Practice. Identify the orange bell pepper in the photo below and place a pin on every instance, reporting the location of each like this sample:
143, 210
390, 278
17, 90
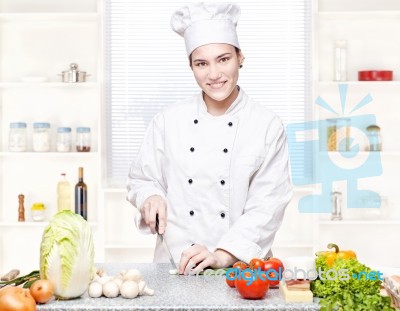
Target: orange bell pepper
332, 256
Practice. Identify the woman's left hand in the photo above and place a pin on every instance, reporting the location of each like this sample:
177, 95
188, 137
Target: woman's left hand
198, 257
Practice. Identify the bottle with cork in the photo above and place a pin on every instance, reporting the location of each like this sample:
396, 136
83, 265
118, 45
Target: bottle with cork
81, 196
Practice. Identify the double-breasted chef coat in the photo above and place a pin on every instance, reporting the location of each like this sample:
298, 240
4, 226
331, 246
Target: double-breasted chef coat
225, 178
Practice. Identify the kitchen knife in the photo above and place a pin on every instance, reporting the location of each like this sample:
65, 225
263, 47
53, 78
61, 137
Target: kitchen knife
161, 236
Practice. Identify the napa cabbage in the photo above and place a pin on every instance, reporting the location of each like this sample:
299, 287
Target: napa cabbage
67, 254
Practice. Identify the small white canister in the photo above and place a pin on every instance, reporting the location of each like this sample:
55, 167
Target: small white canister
17, 141
41, 139
64, 139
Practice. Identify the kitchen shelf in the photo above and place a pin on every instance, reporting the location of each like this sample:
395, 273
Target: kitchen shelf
49, 154
337, 154
367, 15
32, 224
37, 37
44, 17
358, 222
27, 224
360, 83
114, 190
369, 27
5, 85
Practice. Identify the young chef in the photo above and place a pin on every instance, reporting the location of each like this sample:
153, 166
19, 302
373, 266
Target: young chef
213, 167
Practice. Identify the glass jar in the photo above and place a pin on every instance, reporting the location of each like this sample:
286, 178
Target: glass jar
343, 134
41, 141
17, 141
374, 138
83, 139
38, 211
64, 139
340, 60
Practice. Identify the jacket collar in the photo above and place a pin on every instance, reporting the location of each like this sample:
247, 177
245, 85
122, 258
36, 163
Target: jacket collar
237, 105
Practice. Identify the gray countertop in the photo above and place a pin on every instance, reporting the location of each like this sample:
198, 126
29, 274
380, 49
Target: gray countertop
177, 292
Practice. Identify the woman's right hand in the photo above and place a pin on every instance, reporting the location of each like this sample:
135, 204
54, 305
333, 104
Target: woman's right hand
153, 206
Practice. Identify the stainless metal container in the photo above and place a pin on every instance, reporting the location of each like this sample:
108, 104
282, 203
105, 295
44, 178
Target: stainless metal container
73, 75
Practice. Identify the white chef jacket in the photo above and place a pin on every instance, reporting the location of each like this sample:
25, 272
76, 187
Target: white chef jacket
225, 178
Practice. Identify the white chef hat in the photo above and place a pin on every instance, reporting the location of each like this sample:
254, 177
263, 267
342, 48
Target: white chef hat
203, 23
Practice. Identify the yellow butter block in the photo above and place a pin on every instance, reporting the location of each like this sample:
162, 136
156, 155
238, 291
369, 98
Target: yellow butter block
295, 295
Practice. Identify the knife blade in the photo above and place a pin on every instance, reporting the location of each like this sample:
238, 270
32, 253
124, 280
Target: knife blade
161, 236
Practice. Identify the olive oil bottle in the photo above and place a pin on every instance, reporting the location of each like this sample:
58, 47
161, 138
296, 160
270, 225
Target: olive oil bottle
81, 196
63, 194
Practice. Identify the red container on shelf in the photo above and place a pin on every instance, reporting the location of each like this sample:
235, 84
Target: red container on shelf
375, 75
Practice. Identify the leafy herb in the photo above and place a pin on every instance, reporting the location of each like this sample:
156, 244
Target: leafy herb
349, 291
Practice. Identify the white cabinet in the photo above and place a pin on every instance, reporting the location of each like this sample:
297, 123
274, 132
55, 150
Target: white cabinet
37, 42
369, 28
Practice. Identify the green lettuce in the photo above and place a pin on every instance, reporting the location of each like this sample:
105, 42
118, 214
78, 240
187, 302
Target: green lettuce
67, 254
354, 294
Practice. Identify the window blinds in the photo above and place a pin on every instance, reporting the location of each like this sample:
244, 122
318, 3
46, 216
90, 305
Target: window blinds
147, 68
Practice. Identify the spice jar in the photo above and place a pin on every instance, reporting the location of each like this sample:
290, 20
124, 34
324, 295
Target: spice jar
343, 134
38, 211
83, 139
374, 138
64, 139
41, 137
331, 135
17, 141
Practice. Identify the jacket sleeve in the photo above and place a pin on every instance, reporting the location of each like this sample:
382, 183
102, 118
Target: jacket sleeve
145, 176
270, 191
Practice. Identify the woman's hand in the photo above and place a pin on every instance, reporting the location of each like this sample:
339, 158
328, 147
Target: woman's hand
197, 258
153, 206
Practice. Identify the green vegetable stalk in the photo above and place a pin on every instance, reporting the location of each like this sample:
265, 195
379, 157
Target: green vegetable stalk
25, 280
351, 290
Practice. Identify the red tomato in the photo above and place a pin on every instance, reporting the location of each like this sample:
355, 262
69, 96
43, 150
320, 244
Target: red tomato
273, 267
240, 265
250, 285
256, 263
231, 281
278, 261
237, 267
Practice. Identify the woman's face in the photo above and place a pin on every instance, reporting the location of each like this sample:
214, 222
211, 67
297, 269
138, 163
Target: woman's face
216, 69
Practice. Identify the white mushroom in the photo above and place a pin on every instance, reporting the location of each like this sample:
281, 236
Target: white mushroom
100, 272
95, 290
173, 271
132, 275
110, 289
129, 289
104, 279
144, 290
118, 280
